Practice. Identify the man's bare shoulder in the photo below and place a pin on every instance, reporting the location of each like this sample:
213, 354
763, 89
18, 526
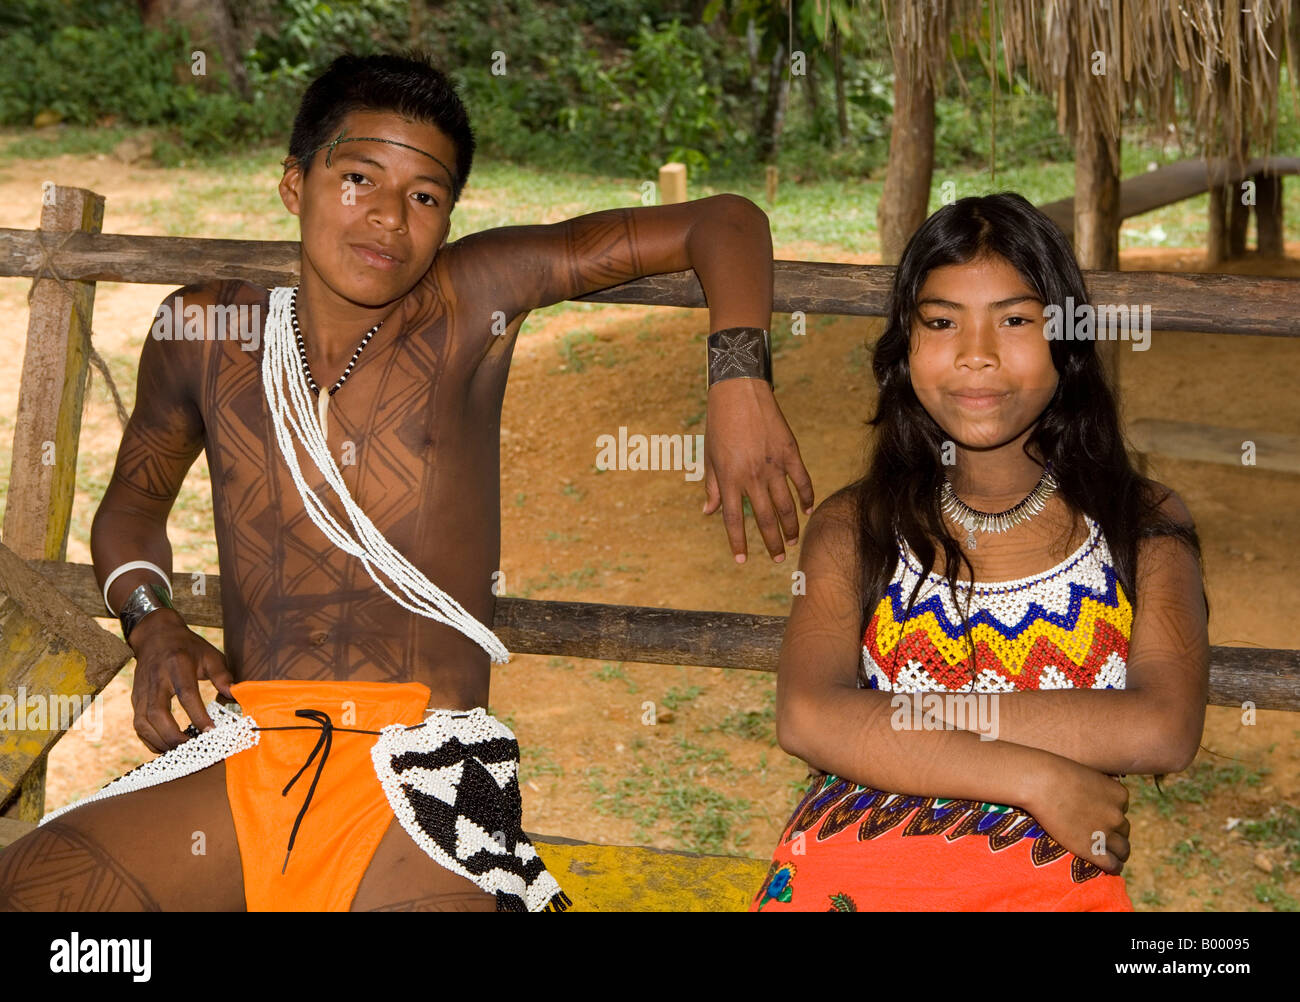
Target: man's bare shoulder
475, 282
461, 268
220, 292
199, 318
203, 311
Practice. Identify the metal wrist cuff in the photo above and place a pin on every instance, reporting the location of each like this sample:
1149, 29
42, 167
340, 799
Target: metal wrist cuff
739, 352
144, 600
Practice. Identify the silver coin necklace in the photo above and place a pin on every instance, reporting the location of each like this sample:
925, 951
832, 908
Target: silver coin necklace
973, 520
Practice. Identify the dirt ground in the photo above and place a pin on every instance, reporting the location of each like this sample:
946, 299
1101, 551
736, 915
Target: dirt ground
709, 775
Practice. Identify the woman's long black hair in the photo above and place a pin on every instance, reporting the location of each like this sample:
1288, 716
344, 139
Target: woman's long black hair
1078, 432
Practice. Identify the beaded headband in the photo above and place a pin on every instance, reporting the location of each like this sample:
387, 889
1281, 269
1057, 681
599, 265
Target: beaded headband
343, 138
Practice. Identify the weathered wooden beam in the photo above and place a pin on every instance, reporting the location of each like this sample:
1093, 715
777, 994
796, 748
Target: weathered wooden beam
47, 428
119, 257
1205, 443
1171, 183
56, 659
1268, 678
1216, 304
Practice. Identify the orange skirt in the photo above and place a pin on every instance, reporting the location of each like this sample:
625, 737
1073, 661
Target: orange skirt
854, 848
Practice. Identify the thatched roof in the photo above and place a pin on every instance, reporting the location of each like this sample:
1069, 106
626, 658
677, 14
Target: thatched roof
1225, 54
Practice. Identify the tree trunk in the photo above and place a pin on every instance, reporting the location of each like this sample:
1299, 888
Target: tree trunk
1268, 187
211, 30
1238, 214
810, 89
906, 196
1096, 199
778, 90
1238, 221
1096, 214
755, 84
841, 107
1216, 241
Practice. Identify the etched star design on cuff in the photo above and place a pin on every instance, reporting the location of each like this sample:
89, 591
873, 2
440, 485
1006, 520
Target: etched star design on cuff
738, 352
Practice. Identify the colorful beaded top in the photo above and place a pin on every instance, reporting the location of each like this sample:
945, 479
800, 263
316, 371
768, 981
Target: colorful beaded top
1065, 628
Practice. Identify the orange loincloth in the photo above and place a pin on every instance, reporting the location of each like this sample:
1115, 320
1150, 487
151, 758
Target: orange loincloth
348, 813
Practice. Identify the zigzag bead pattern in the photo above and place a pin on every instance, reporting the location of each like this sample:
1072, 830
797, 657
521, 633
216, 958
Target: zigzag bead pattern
1065, 628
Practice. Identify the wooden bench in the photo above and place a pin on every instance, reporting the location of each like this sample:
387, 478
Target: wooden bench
1174, 183
68, 255
1188, 178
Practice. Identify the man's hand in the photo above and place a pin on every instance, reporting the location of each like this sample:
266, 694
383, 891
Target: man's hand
170, 658
749, 451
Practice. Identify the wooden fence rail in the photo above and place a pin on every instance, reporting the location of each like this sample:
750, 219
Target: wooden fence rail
1268, 678
1215, 304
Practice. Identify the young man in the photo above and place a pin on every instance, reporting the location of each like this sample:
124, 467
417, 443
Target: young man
352, 453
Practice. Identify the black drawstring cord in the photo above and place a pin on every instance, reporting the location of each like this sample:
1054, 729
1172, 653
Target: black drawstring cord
323, 746
324, 743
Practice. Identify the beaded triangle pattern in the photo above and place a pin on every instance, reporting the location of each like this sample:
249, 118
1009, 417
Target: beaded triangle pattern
1065, 628
453, 785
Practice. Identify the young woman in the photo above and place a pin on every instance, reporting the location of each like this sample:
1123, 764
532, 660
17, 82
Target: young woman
1002, 556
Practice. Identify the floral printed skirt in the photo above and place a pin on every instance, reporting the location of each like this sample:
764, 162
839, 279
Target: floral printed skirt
854, 848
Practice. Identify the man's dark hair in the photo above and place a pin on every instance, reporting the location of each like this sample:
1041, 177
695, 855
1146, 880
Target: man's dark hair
407, 84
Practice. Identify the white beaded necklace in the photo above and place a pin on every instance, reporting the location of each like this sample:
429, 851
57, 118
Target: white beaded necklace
290, 407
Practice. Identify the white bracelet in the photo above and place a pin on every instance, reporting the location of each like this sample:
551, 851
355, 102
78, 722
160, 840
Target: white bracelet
130, 567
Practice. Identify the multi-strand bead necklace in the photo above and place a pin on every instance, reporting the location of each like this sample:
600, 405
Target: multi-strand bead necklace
285, 385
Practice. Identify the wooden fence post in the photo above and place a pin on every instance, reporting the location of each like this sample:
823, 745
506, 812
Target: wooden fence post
1268, 215
43, 467
672, 183
1238, 222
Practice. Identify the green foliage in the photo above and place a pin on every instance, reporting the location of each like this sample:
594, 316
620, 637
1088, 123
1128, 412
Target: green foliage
621, 84
675, 793
676, 697
311, 34
84, 72
616, 87
1197, 785
1026, 130
659, 101
90, 61
1280, 828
